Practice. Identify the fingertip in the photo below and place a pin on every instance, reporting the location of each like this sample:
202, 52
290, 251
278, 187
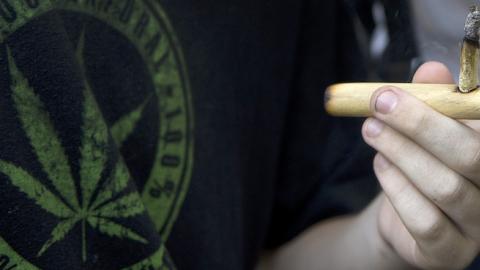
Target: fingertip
364, 130
433, 72
366, 134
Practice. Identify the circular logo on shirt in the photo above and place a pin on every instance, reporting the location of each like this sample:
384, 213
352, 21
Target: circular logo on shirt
97, 149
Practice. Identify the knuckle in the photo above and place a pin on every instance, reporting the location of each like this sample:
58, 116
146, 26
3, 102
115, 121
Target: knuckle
469, 162
404, 147
451, 190
419, 123
430, 227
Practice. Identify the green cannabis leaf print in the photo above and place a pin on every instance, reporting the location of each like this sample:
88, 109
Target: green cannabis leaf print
98, 205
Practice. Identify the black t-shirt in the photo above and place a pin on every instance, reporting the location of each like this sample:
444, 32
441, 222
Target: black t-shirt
168, 134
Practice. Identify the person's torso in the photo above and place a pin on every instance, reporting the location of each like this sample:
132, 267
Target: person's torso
148, 134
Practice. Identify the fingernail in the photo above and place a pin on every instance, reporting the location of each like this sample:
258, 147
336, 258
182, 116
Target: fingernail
374, 128
381, 162
386, 102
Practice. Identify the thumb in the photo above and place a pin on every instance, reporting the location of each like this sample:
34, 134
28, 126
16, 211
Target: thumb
433, 72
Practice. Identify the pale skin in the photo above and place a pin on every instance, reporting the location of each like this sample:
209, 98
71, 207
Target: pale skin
427, 216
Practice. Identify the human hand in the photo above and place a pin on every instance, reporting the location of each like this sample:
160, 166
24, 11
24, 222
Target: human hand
429, 168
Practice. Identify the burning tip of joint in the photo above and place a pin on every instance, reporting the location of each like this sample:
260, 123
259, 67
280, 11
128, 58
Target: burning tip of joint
472, 24
470, 53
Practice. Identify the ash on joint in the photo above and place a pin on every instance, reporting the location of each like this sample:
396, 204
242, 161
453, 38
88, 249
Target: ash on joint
472, 24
